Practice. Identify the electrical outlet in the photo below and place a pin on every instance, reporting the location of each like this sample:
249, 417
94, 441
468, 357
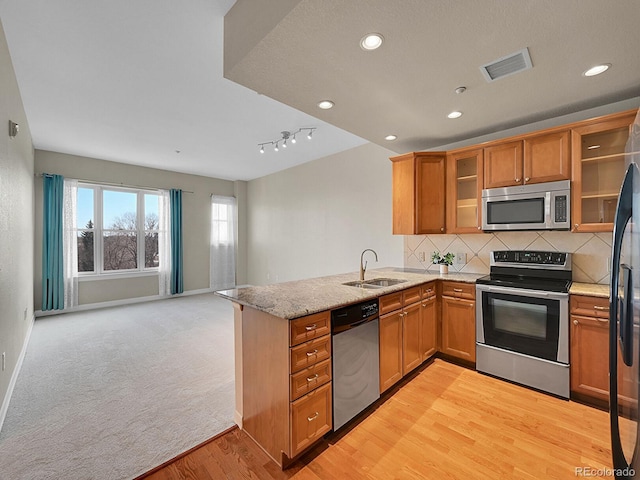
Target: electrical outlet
3, 362
461, 258
421, 256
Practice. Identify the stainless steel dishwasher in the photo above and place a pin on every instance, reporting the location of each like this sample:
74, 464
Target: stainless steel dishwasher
356, 367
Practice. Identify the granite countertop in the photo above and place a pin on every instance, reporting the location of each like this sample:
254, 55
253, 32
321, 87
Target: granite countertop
291, 300
590, 289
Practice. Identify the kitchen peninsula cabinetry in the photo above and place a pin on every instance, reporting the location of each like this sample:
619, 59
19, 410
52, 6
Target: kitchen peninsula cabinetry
408, 323
285, 381
534, 159
598, 168
464, 191
418, 193
459, 320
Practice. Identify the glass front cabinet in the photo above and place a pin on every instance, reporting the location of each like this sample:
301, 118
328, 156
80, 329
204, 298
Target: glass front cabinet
598, 166
464, 192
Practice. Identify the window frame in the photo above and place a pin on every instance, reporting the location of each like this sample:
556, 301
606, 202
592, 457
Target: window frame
99, 231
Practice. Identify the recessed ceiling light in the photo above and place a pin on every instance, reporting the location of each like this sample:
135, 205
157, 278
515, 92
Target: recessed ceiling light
455, 115
325, 104
391, 137
371, 41
597, 70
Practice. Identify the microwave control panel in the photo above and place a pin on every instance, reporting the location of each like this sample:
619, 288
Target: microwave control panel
560, 209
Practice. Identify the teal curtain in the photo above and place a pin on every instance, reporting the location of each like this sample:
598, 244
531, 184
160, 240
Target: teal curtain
52, 249
175, 202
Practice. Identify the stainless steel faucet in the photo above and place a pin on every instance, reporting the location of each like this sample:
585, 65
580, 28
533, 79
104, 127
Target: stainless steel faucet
363, 268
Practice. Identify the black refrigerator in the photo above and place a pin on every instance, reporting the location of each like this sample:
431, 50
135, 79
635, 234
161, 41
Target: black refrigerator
624, 317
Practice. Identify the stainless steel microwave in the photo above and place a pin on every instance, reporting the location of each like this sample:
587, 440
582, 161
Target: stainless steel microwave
539, 206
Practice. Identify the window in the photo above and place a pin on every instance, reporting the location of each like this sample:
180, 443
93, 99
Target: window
117, 229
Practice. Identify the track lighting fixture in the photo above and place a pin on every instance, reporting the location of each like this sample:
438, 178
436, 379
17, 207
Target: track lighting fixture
285, 137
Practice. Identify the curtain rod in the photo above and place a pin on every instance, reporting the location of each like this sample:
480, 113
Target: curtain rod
114, 184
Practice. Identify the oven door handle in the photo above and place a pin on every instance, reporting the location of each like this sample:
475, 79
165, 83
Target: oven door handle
522, 292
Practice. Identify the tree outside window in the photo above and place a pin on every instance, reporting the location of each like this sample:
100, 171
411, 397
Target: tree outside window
126, 233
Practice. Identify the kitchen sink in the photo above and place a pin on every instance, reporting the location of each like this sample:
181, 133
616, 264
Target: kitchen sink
384, 282
375, 283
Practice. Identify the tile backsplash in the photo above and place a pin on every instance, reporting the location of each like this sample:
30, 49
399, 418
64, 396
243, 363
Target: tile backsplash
591, 251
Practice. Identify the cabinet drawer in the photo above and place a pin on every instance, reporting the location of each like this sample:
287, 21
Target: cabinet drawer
589, 306
310, 378
411, 295
391, 302
310, 418
309, 353
310, 327
428, 290
459, 290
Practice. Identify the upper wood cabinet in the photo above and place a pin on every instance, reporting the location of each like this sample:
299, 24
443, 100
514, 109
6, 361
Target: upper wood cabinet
419, 193
536, 159
598, 169
464, 191
503, 165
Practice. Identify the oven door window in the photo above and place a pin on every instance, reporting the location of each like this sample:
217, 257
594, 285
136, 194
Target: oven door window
521, 324
530, 210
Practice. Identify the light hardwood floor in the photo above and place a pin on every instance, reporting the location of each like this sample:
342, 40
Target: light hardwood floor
446, 423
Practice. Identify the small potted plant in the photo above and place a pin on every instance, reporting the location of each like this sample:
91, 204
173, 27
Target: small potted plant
443, 261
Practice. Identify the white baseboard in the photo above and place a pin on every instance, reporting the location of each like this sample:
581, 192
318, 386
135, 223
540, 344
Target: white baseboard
14, 376
117, 303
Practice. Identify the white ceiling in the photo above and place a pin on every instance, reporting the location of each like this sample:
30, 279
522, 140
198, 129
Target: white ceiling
304, 51
134, 81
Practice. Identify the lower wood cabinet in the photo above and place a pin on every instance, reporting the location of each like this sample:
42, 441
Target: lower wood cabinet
429, 327
390, 350
589, 352
408, 331
459, 321
310, 418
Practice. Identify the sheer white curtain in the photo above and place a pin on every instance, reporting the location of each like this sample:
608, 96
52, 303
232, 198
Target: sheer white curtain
164, 244
70, 243
223, 242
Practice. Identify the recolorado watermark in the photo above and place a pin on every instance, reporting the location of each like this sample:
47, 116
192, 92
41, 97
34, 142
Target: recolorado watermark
604, 472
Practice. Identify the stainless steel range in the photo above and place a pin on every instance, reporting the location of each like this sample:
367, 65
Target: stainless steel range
522, 319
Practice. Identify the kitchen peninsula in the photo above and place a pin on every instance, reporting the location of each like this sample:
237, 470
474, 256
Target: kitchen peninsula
283, 347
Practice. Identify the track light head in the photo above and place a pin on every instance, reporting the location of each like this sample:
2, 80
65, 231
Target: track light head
285, 136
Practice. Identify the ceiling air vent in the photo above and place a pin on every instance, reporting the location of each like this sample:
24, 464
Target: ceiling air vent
514, 63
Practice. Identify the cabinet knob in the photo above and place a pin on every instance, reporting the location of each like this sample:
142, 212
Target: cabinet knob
442, 229
575, 322
479, 228
517, 180
575, 225
526, 179
424, 304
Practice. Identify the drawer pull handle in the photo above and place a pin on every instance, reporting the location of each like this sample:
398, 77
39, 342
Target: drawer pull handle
311, 354
598, 307
312, 378
457, 290
313, 417
603, 320
424, 305
313, 326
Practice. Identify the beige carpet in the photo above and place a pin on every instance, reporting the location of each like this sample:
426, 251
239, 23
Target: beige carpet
112, 393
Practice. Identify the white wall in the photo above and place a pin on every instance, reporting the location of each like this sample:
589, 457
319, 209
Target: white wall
316, 219
196, 217
16, 225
